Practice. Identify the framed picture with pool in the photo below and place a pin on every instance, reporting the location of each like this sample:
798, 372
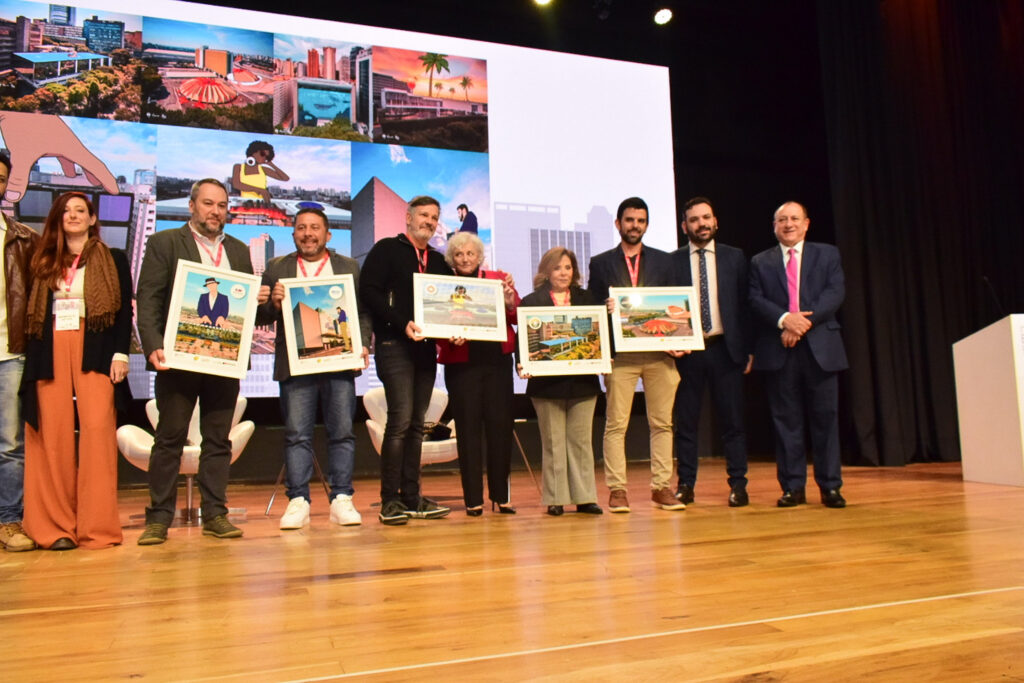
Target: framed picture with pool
446, 306
210, 320
564, 340
321, 324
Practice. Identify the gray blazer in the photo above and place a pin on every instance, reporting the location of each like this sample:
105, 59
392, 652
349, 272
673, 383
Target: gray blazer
156, 277
285, 267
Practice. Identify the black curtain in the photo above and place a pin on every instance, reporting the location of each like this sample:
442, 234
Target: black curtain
923, 106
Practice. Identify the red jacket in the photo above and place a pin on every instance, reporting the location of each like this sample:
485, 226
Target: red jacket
448, 353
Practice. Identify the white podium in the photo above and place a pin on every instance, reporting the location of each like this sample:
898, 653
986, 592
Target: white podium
989, 367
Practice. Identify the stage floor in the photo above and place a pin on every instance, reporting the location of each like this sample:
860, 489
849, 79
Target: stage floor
920, 578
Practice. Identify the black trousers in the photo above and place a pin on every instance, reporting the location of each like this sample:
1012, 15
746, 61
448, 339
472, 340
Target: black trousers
407, 371
480, 397
715, 368
176, 393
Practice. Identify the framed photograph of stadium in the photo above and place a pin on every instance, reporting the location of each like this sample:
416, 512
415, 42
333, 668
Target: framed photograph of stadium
656, 319
321, 324
446, 306
564, 340
210, 320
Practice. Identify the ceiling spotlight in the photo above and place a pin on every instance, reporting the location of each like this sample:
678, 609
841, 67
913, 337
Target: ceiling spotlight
542, 3
663, 16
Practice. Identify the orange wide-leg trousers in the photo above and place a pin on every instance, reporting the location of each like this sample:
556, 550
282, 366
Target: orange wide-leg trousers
68, 496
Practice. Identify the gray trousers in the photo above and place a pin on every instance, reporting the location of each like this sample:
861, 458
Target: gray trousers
568, 454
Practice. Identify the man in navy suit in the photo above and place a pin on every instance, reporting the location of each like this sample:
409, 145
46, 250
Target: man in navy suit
795, 290
632, 263
213, 307
719, 274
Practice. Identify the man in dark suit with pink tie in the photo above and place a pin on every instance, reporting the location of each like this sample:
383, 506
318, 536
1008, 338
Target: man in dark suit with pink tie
796, 288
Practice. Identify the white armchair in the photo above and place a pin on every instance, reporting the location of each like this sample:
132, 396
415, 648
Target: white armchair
376, 405
136, 444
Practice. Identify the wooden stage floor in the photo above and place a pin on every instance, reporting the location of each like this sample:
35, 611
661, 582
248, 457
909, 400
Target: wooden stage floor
921, 578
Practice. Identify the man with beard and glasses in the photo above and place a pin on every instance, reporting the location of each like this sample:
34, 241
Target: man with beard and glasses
202, 240
631, 264
406, 362
719, 274
334, 392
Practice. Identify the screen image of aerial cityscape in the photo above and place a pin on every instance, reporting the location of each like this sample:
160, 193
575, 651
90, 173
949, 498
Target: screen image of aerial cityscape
561, 336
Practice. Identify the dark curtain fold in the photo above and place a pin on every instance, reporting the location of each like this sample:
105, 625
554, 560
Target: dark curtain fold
923, 106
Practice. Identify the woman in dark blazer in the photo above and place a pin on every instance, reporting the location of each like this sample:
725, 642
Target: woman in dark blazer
478, 375
564, 404
79, 330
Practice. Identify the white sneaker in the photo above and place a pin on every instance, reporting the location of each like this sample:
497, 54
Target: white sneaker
343, 512
296, 515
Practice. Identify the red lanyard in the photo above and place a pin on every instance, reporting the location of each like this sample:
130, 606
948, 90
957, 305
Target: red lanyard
421, 262
556, 302
70, 277
302, 266
220, 250
634, 271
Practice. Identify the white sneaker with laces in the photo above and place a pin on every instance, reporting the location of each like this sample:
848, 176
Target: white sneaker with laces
296, 515
343, 512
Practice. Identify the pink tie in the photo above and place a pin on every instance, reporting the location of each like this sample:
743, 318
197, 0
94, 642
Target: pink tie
792, 278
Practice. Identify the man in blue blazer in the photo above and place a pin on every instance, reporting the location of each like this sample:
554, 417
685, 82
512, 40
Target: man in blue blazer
215, 312
795, 290
632, 263
718, 273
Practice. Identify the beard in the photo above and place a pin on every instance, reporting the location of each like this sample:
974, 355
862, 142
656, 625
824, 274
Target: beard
631, 236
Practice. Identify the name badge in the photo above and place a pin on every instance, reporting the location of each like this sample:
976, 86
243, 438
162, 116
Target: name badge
66, 314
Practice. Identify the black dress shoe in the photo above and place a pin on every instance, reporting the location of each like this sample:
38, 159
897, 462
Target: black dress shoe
792, 498
503, 508
832, 499
63, 544
738, 497
684, 493
590, 509
556, 510
475, 511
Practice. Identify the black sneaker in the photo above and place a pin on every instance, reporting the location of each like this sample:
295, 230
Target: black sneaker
393, 512
220, 527
684, 493
429, 509
154, 534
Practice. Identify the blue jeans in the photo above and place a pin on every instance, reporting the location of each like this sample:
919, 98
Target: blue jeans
335, 393
12, 442
407, 371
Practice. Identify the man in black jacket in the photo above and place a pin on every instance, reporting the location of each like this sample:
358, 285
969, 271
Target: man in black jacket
202, 239
406, 362
632, 264
334, 392
719, 274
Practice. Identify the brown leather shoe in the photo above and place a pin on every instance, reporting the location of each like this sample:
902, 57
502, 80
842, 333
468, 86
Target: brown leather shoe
664, 498
617, 501
13, 538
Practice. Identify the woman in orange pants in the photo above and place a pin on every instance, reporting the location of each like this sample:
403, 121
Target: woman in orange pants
79, 329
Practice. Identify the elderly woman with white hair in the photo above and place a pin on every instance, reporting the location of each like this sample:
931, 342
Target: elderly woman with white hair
478, 375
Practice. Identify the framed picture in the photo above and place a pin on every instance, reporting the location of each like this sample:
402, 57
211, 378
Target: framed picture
321, 324
656, 319
447, 306
564, 340
210, 320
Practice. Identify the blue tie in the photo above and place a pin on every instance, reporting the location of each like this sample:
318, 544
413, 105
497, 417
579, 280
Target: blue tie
705, 297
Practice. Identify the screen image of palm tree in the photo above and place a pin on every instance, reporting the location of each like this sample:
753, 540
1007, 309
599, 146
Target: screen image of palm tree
466, 83
434, 62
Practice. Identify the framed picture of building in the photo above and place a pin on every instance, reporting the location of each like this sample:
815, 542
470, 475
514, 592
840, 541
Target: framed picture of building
210, 320
321, 324
564, 340
446, 306
656, 319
